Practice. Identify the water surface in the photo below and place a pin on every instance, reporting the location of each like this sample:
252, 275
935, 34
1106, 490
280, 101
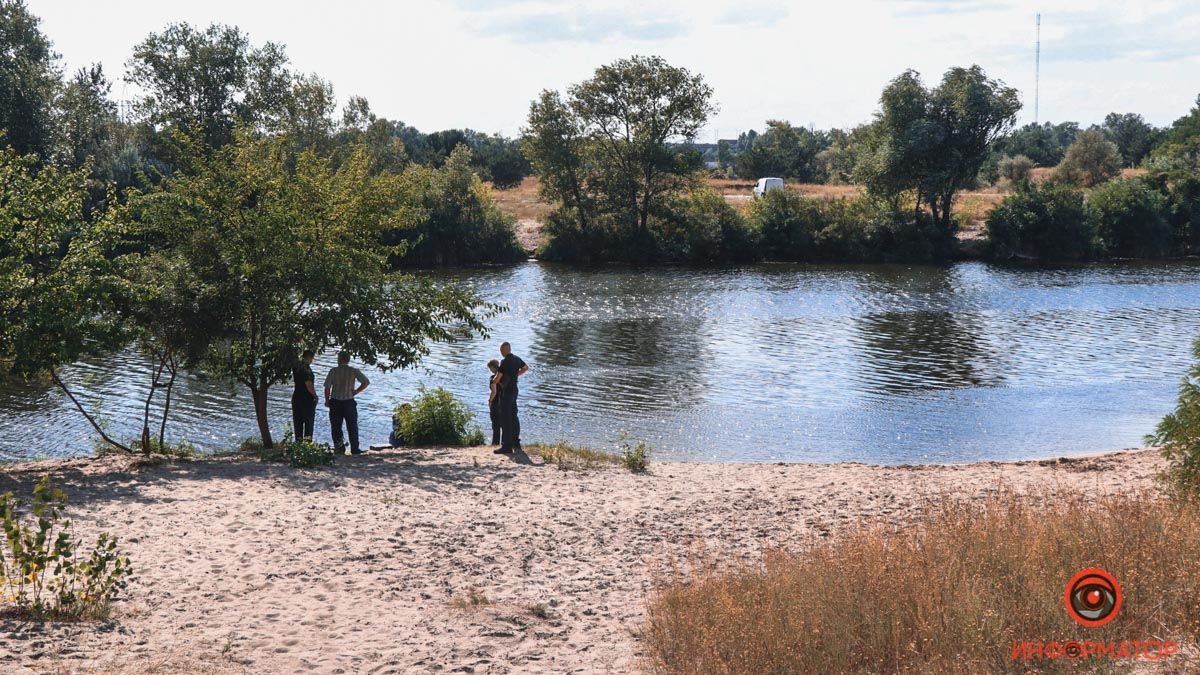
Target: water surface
884, 364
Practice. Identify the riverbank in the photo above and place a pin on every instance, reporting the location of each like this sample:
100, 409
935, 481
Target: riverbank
449, 558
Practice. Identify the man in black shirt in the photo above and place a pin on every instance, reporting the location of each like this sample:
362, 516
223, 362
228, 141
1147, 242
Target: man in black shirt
511, 368
304, 397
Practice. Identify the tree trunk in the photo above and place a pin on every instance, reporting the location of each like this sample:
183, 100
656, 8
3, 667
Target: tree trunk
173, 368
156, 374
62, 385
259, 394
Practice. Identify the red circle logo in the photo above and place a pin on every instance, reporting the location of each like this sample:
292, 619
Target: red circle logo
1093, 597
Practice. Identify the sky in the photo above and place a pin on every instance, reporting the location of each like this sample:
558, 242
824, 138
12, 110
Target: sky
478, 63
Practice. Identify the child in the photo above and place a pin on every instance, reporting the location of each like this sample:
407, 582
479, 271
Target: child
494, 400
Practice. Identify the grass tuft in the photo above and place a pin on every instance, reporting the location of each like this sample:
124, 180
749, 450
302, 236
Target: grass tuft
573, 457
472, 599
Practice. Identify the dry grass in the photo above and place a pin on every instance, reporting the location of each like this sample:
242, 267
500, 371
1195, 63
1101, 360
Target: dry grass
950, 592
472, 599
573, 457
522, 201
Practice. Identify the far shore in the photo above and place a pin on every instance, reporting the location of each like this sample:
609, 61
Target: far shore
457, 559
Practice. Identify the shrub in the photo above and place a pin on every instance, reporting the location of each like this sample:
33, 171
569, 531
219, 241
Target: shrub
1090, 160
1015, 169
435, 417
1130, 217
1178, 434
304, 453
950, 592
702, 227
635, 456
456, 217
1046, 221
41, 575
787, 223
181, 450
1184, 197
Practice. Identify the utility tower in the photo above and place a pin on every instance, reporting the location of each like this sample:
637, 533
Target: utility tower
1037, 68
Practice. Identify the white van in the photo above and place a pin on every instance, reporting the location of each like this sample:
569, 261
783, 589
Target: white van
765, 185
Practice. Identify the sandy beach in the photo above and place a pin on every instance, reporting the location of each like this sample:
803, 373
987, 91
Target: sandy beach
453, 560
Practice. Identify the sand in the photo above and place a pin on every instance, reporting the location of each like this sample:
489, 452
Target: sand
370, 566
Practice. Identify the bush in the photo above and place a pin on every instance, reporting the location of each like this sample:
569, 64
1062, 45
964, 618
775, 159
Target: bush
435, 417
635, 456
1046, 221
702, 227
787, 224
949, 593
456, 217
1090, 160
1130, 217
1015, 169
41, 576
1178, 434
1184, 198
304, 453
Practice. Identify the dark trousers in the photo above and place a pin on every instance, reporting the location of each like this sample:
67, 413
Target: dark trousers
304, 415
497, 421
347, 411
510, 424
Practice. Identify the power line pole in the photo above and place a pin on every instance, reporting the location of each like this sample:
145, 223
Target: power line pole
1037, 68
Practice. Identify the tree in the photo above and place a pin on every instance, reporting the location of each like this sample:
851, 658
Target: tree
59, 281
1178, 434
1046, 221
1044, 143
1180, 145
294, 256
29, 81
785, 151
932, 142
616, 147
1015, 169
209, 82
1091, 160
1133, 136
1131, 218
86, 120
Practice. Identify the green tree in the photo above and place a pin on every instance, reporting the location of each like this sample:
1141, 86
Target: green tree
1133, 136
1046, 221
295, 258
1044, 143
1015, 169
59, 282
1180, 145
455, 218
1091, 160
1131, 218
209, 82
1178, 434
612, 147
931, 143
29, 81
785, 151
87, 119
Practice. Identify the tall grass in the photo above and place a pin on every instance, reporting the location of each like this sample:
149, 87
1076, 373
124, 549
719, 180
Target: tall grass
950, 592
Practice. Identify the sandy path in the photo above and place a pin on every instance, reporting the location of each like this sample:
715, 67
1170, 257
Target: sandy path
250, 567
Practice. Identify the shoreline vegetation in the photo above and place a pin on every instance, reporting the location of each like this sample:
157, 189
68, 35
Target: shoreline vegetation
422, 557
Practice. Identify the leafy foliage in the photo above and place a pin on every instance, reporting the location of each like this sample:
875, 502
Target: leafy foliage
931, 143
1046, 221
1178, 434
28, 82
1091, 160
635, 456
294, 257
784, 151
455, 218
304, 453
41, 574
435, 417
1015, 169
1130, 217
1132, 135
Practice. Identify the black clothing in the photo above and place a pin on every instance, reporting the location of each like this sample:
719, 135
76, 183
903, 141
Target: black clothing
494, 410
347, 410
302, 373
304, 404
509, 366
304, 415
510, 425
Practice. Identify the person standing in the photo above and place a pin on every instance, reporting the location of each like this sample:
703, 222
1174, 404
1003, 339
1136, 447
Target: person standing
494, 399
304, 397
511, 368
339, 397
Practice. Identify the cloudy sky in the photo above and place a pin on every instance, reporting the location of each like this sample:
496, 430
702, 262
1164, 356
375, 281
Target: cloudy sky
478, 63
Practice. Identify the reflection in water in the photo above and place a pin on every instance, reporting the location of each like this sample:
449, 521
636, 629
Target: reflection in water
763, 363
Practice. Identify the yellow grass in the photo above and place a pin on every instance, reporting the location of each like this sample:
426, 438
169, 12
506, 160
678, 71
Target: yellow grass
951, 592
566, 456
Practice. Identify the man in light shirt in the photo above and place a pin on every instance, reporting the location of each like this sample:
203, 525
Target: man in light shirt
340, 391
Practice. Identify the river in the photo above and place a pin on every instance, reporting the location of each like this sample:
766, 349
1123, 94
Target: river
798, 363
